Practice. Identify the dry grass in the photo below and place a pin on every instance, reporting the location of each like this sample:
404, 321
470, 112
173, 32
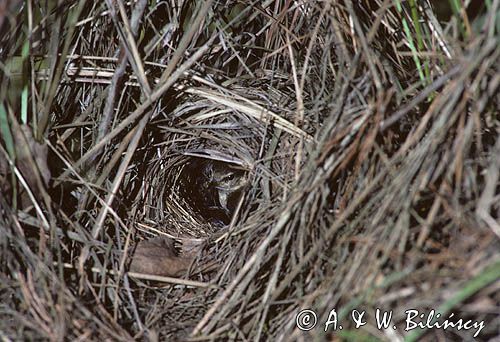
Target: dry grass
369, 132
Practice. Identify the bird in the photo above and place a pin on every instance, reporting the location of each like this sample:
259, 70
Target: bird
213, 188
227, 181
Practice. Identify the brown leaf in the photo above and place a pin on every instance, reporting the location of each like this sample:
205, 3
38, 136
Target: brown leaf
158, 257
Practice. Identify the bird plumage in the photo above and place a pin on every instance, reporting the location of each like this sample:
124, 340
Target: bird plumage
212, 188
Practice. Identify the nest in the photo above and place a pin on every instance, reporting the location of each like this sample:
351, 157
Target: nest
233, 127
367, 135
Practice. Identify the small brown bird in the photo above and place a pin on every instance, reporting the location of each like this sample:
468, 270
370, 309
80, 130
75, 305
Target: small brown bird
227, 181
213, 188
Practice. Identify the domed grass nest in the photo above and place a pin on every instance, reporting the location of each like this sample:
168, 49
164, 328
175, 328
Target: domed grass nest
366, 135
243, 127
